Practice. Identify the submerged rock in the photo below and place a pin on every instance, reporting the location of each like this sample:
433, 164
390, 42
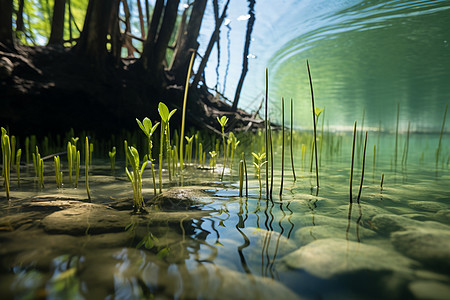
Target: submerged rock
86, 218
327, 258
429, 246
430, 290
429, 206
388, 223
309, 234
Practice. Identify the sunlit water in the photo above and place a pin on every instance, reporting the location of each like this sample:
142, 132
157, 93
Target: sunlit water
363, 54
224, 245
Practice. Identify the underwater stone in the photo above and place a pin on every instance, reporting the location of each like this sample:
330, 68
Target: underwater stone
430, 206
428, 246
388, 223
430, 290
86, 218
306, 235
274, 242
327, 258
443, 216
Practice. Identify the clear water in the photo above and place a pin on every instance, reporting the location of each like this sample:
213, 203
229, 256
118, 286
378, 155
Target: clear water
364, 55
226, 246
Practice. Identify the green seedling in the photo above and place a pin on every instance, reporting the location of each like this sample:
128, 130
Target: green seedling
39, 167
135, 178
27, 149
381, 183
200, 155
18, 156
223, 121
91, 151
189, 145
317, 112
58, 173
396, 137
77, 168
258, 163
233, 142
165, 117
13, 150
242, 172
149, 129
71, 157
6, 157
314, 123
125, 147
86, 170
183, 116
213, 159
112, 158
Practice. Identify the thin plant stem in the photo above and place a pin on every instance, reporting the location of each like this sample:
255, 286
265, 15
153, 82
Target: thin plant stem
362, 172
438, 151
291, 142
87, 167
267, 133
183, 116
282, 146
396, 137
381, 182
271, 161
353, 159
314, 122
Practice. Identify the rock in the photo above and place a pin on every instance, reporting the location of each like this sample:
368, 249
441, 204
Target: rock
274, 242
179, 198
429, 246
388, 223
306, 235
443, 216
430, 290
327, 258
429, 206
86, 218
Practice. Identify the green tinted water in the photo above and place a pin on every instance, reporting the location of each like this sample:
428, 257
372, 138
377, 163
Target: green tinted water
308, 243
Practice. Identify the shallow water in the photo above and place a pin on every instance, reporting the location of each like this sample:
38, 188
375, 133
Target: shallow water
309, 243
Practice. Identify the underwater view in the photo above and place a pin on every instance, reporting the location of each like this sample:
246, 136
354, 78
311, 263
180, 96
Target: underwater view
130, 170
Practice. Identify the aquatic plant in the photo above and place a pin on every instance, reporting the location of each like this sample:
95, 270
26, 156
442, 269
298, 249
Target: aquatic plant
91, 151
381, 183
314, 123
242, 173
6, 157
71, 157
189, 145
353, 159
112, 158
282, 146
58, 173
39, 167
258, 163
213, 159
86, 170
438, 150
27, 149
18, 156
362, 172
292, 141
396, 137
266, 128
165, 117
135, 178
77, 168
233, 143
406, 148
223, 121
183, 115
149, 129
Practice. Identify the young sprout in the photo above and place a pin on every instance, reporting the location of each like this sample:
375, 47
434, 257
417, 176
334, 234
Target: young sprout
86, 170
135, 178
189, 148
58, 173
165, 117
212, 161
149, 129
6, 156
223, 121
258, 164
112, 158
233, 142
18, 156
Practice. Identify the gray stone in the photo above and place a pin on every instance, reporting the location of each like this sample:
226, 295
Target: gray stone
327, 258
429, 206
429, 246
306, 235
388, 223
430, 290
86, 218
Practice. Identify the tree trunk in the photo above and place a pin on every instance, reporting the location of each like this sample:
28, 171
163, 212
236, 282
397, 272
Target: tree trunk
211, 43
6, 33
93, 39
57, 31
248, 36
19, 23
188, 42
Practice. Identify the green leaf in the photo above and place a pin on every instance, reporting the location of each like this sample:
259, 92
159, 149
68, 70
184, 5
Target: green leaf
163, 253
318, 111
163, 112
130, 176
154, 128
171, 114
